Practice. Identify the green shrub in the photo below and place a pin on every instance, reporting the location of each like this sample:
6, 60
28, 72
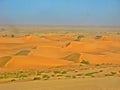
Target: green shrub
113, 73
85, 62
36, 78
46, 76
110, 74
98, 37
90, 74
79, 37
97, 64
56, 71
21, 75
63, 72
79, 74
39, 72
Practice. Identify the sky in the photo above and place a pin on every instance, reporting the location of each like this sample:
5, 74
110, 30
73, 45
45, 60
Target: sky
60, 12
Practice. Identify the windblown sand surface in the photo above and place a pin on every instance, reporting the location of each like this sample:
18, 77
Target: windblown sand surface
51, 50
81, 59
70, 84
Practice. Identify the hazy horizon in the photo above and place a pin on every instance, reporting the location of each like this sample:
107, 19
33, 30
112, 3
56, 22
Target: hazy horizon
60, 13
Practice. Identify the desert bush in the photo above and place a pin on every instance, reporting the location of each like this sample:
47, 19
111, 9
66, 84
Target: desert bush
21, 75
101, 70
36, 78
85, 62
113, 73
39, 72
110, 74
56, 71
98, 37
12, 35
79, 74
97, 65
90, 74
59, 75
79, 37
45, 76
118, 33
3, 76
52, 75
64, 72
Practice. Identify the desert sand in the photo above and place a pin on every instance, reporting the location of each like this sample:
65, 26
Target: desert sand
80, 52
70, 84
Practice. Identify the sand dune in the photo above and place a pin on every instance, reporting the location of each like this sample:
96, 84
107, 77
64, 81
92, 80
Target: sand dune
51, 49
34, 62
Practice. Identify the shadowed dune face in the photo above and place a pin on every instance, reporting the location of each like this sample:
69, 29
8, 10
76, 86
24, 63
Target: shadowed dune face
59, 50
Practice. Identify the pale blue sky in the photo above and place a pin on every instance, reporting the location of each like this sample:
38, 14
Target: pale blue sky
60, 12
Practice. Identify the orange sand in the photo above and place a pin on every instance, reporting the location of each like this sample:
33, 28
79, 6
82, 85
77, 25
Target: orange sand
49, 50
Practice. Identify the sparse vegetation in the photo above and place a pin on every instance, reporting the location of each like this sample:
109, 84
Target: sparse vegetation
97, 64
110, 74
36, 78
79, 37
79, 74
63, 72
85, 62
90, 74
39, 72
56, 71
98, 37
12, 35
101, 70
45, 77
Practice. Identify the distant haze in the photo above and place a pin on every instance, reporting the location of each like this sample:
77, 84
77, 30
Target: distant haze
60, 12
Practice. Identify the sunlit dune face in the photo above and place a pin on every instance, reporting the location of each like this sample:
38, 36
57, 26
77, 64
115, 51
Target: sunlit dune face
34, 62
59, 50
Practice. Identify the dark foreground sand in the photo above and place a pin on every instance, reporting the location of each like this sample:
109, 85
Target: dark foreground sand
109, 83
